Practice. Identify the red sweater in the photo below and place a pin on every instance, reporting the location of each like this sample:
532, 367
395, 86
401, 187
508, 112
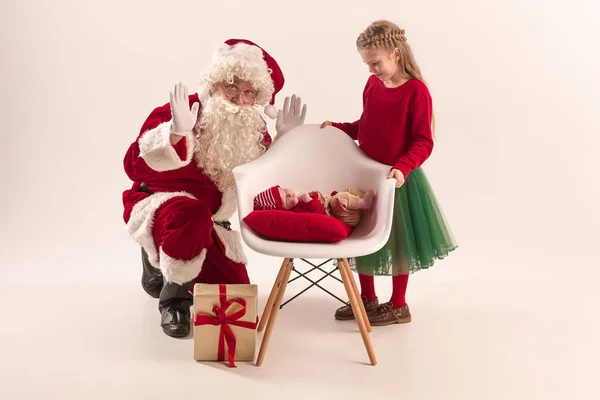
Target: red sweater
395, 125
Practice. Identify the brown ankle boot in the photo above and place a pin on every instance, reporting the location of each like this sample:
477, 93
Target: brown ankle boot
345, 313
385, 314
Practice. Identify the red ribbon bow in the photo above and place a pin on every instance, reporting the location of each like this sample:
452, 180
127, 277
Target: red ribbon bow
221, 318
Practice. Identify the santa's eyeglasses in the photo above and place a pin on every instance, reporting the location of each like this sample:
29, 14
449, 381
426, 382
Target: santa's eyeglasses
233, 92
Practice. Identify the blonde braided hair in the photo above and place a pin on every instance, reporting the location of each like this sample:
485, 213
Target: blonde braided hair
384, 34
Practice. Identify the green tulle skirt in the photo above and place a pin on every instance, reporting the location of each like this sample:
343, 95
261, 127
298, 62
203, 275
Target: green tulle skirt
420, 234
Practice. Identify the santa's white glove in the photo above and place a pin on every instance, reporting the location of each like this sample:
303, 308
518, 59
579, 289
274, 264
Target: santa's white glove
291, 116
183, 119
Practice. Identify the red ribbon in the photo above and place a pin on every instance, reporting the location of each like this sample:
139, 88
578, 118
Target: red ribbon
221, 318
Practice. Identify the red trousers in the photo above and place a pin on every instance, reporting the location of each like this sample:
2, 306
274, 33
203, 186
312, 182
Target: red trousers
186, 245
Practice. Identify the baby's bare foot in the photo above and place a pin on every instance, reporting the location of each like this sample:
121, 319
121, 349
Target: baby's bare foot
366, 203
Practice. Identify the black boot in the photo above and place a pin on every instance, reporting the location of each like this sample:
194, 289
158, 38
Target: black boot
174, 304
152, 279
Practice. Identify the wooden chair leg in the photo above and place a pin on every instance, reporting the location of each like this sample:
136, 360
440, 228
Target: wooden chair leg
272, 296
287, 270
357, 294
354, 300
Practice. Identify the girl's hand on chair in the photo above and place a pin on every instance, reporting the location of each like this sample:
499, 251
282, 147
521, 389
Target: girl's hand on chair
398, 175
326, 123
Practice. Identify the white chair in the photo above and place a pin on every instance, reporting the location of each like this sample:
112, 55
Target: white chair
310, 158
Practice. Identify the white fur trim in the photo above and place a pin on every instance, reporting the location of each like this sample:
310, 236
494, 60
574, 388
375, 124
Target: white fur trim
240, 51
140, 223
157, 151
243, 61
232, 241
228, 205
181, 271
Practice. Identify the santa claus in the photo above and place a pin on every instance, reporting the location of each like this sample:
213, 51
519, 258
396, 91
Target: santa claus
183, 191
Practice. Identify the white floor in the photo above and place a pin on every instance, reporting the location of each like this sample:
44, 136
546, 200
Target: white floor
72, 329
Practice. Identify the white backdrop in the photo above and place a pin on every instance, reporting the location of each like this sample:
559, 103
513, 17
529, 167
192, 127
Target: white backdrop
515, 87
516, 93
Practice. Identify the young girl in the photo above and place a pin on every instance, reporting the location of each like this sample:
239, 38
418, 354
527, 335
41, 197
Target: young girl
395, 128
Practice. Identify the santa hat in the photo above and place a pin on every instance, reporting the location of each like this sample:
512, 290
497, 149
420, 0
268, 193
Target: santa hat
270, 199
247, 61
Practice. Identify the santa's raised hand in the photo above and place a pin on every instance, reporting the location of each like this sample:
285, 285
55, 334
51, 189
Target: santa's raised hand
183, 119
291, 116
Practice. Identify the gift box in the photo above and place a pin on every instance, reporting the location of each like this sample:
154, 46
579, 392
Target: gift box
225, 321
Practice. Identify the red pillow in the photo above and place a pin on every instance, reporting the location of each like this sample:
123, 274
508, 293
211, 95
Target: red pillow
297, 227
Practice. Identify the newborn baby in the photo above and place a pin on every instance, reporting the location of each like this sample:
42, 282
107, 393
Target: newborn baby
345, 206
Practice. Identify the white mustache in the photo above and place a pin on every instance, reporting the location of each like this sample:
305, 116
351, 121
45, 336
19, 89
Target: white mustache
236, 108
230, 107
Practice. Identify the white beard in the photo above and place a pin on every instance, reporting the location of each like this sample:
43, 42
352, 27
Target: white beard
229, 135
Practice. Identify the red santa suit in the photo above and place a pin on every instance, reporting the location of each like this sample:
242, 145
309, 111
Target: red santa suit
173, 209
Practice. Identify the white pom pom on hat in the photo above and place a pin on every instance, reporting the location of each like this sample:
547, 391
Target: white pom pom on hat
271, 111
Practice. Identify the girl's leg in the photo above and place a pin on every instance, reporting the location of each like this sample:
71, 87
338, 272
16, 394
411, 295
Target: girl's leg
367, 287
399, 284
395, 311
